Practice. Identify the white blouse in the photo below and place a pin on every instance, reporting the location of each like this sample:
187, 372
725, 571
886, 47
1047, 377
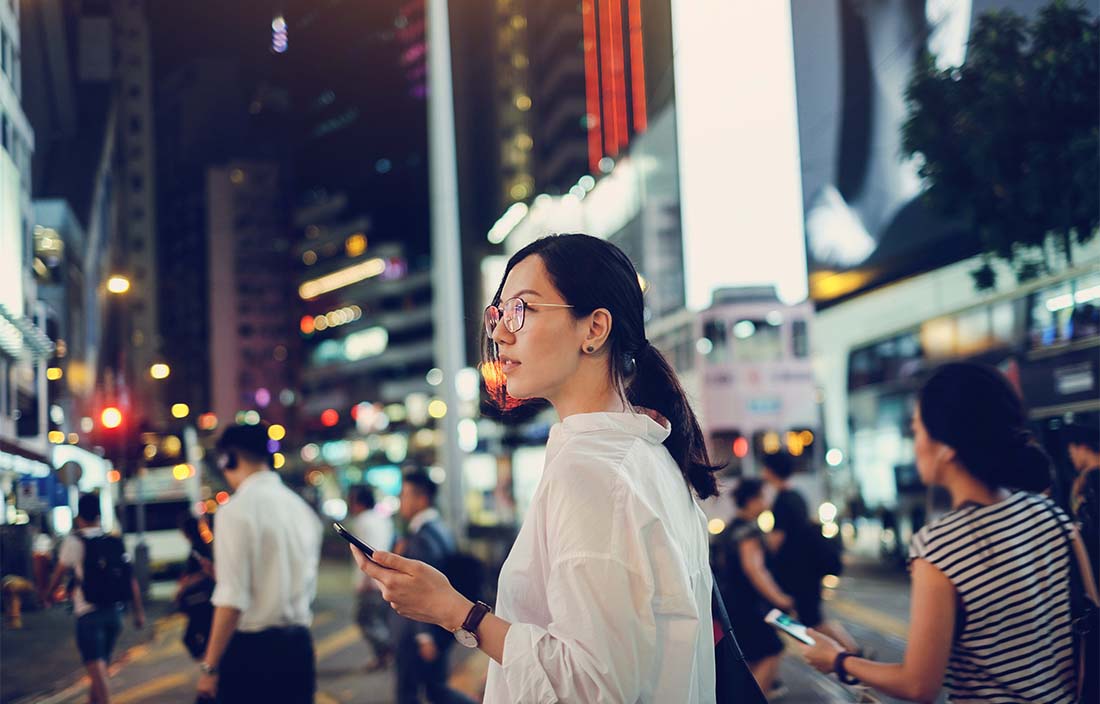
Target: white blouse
607, 586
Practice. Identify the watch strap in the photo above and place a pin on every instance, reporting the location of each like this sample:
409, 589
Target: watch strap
841, 672
474, 617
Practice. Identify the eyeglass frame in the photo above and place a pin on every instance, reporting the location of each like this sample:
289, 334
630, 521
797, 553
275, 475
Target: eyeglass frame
521, 313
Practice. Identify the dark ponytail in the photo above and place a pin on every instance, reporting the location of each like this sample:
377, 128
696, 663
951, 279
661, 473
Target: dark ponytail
592, 273
975, 410
655, 385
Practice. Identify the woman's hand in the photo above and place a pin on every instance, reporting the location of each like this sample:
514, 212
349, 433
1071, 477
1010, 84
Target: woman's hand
414, 589
822, 654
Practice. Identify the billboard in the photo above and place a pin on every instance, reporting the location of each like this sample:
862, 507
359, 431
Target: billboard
864, 221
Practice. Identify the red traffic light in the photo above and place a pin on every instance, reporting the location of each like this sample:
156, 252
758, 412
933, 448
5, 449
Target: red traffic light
111, 417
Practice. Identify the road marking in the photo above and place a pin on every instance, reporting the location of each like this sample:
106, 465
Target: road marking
152, 687
871, 618
337, 642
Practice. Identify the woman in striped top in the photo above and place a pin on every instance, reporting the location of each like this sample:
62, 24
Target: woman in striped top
990, 607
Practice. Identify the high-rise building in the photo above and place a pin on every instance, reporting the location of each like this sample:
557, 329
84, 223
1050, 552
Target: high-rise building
136, 253
367, 332
24, 346
202, 118
251, 321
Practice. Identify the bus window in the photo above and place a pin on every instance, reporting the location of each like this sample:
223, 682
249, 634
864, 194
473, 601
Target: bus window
1051, 313
715, 331
757, 341
800, 340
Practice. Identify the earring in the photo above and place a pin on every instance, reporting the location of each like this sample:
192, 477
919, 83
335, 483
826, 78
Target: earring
590, 349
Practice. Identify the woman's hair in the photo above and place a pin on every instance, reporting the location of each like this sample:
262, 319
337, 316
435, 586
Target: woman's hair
592, 273
746, 490
975, 410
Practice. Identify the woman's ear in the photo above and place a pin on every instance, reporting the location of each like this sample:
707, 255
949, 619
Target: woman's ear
599, 329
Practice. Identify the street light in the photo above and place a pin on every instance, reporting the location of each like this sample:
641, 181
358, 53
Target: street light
118, 284
160, 370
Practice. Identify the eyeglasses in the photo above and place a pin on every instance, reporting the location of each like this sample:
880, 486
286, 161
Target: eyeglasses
513, 313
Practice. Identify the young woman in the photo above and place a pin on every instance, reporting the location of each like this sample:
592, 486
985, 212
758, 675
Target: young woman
990, 607
748, 587
605, 595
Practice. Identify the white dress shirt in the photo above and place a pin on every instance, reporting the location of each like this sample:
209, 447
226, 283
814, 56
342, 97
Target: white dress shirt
607, 586
267, 545
375, 530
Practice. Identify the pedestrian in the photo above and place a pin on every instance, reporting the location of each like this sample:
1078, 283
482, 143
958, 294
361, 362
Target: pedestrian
748, 587
195, 587
799, 551
267, 546
606, 594
101, 583
1083, 442
990, 608
422, 648
371, 611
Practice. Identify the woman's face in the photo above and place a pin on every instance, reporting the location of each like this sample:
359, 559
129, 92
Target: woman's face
930, 453
541, 356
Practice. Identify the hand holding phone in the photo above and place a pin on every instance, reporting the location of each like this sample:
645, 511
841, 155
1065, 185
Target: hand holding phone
787, 624
347, 535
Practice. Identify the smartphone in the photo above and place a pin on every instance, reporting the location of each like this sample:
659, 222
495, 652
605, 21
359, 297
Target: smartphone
788, 625
346, 535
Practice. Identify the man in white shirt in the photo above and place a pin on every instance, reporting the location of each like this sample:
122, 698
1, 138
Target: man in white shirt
267, 545
98, 622
371, 610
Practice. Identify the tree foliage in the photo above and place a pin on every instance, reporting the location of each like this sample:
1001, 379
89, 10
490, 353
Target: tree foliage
1009, 143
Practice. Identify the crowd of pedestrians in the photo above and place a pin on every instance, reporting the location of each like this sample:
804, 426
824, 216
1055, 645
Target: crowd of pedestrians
606, 593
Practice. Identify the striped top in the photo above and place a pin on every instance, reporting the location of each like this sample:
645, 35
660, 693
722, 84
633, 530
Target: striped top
1009, 564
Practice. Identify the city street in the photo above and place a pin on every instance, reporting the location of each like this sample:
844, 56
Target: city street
153, 667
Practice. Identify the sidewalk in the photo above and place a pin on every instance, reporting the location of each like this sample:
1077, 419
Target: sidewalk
42, 655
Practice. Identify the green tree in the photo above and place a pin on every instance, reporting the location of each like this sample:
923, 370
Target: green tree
1009, 143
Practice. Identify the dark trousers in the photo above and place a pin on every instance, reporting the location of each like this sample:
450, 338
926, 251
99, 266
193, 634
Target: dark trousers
371, 613
276, 665
413, 673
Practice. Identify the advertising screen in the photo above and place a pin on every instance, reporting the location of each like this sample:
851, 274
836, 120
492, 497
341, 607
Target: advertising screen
865, 223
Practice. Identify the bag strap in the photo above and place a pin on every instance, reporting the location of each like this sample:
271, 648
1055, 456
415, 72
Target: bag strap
724, 620
1080, 596
1079, 589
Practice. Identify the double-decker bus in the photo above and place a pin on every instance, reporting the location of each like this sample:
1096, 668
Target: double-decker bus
745, 363
1044, 336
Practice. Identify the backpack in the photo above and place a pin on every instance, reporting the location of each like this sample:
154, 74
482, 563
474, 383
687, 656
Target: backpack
465, 572
107, 571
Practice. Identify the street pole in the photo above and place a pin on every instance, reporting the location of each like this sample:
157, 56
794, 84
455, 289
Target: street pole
450, 343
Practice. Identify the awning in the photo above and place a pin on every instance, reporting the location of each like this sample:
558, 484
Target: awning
22, 339
18, 459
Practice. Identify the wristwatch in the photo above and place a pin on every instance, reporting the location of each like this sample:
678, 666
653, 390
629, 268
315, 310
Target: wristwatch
208, 669
838, 668
467, 633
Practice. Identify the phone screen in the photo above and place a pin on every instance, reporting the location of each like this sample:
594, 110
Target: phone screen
346, 535
789, 625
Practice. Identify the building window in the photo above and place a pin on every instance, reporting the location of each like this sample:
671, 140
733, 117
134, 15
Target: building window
137, 183
135, 125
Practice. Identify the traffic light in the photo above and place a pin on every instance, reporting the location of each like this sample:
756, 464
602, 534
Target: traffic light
111, 417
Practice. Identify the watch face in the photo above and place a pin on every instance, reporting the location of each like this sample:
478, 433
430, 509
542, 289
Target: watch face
466, 638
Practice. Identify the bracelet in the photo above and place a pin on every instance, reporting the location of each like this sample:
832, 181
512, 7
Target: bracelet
838, 668
207, 669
